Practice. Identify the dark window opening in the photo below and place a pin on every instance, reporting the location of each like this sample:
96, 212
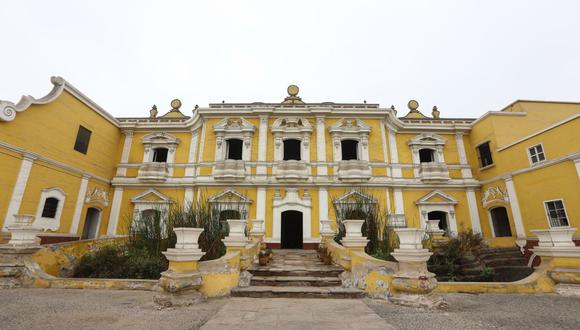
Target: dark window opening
349, 149
160, 155
500, 222
292, 149
291, 235
91, 227
50, 207
441, 216
234, 149
83, 138
426, 156
484, 153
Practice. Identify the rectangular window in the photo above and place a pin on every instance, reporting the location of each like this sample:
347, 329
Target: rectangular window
536, 154
484, 154
82, 142
556, 213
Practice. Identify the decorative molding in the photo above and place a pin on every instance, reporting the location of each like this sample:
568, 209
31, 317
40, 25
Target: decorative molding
447, 199
97, 195
230, 198
292, 202
494, 195
447, 206
50, 223
140, 199
354, 196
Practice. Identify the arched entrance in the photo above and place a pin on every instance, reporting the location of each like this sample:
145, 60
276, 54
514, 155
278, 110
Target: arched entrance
291, 227
91, 227
500, 222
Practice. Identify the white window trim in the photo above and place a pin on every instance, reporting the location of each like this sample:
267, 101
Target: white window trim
350, 129
233, 128
530, 155
548, 214
431, 141
479, 156
286, 128
50, 223
160, 140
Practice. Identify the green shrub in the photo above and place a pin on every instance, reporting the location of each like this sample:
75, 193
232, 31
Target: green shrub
487, 274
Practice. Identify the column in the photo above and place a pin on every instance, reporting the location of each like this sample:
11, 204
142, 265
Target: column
115, 211
394, 153
19, 188
515, 206
385, 149
473, 213
201, 147
321, 147
122, 171
465, 172
262, 145
79, 205
261, 206
398, 197
188, 196
322, 207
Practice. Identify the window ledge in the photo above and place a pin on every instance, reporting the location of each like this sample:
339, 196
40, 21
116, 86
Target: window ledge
486, 167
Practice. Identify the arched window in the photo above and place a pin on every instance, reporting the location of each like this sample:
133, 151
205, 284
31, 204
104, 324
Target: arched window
500, 222
349, 149
426, 155
50, 207
234, 149
160, 155
292, 149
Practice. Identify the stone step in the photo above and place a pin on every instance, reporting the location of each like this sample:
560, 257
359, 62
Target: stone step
297, 271
297, 292
499, 253
295, 281
517, 261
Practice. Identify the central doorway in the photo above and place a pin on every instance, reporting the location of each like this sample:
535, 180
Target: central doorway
291, 236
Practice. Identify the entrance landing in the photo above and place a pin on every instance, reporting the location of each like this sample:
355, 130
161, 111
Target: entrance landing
296, 274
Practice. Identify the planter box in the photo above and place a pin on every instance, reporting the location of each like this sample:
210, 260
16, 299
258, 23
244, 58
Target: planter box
555, 237
410, 238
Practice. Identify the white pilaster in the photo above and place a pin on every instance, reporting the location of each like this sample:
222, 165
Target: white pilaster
577, 163
394, 153
79, 205
515, 206
201, 146
321, 146
262, 145
465, 172
122, 171
322, 205
191, 158
398, 197
188, 198
388, 200
115, 211
19, 188
385, 149
261, 205
473, 214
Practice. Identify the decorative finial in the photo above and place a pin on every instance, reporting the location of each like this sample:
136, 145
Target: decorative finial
392, 107
365, 101
153, 111
435, 112
196, 106
413, 105
175, 105
293, 97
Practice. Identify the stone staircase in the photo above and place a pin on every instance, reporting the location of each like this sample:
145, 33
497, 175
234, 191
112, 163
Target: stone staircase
296, 274
508, 263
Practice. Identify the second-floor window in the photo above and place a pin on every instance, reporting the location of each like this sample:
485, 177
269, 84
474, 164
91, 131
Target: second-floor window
426, 156
349, 149
234, 149
484, 154
292, 149
82, 141
536, 154
160, 155
556, 213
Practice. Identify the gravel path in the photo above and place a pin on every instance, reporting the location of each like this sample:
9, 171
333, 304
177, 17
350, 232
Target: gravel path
96, 309
487, 311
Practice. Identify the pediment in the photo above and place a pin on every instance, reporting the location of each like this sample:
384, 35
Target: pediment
234, 125
354, 196
436, 197
160, 138
427, 139
350, 125
229, 196
151, 196
291, 124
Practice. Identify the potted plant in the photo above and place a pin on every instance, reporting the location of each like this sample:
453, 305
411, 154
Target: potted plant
263, 257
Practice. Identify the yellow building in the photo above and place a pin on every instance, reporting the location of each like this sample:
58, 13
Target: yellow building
81, 172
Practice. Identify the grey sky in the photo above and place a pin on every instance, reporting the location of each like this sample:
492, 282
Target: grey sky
466, 57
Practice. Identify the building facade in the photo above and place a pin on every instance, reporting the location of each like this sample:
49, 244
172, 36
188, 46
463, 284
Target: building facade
82, 172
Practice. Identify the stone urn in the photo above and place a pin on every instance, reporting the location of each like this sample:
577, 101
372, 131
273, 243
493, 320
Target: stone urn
23, 220
187, 238
22, 232
353, 237
410, 238
237, 235
556, 237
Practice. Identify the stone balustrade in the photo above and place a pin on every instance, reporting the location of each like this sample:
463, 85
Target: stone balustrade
229, 170
433, 172
291, 170
153, 172
354, 170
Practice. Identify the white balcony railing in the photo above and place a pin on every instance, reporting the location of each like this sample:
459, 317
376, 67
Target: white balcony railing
433, 172
229, 169
153, 172
354, 170
291, 170
396, 220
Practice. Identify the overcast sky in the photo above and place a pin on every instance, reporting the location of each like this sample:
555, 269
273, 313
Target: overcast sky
466, 57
